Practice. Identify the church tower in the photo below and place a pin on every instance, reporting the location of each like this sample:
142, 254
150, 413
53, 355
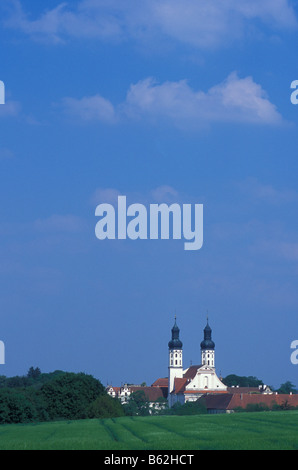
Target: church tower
208, 347
175, 358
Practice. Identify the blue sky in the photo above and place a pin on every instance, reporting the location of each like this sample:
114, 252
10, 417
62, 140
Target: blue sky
162, 101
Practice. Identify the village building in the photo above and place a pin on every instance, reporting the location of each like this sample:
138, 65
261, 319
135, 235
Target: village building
199, 382
190, 384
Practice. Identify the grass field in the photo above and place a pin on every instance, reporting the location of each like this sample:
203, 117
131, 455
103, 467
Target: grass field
254, 431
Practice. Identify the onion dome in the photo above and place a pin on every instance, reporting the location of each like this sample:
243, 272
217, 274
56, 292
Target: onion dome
207, 343
175, 342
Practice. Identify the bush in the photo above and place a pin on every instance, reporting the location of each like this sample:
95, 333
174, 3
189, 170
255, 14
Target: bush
252, 407
192, 408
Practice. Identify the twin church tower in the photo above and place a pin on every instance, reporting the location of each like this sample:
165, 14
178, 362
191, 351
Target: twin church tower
190, 384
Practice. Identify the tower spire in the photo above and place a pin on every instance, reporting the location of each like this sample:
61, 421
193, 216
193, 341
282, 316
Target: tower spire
207, 347
175, 359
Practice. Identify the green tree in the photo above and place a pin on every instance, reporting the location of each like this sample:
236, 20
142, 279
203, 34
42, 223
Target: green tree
105, 407
69, 395
236, 380
287, 388
137, 405
15, 407
33, 373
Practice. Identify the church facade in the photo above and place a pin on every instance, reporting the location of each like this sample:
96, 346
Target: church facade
186, 385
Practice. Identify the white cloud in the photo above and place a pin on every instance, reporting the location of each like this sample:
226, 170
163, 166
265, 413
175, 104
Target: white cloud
105, 195
94, 108
201, 23
165, 194
161, 194
233, 100
216, 22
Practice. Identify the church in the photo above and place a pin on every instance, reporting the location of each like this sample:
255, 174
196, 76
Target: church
200, 382
181, 385
190, 384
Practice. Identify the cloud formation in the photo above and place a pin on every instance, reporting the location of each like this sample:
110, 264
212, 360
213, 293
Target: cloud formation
234, 100
200, 23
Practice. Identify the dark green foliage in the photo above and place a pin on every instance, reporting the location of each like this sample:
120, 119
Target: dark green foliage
252, 407
137, 405
69, 395
58, 395
15, 407
105, 407
197, 407
33, 373
287, 388
234, 380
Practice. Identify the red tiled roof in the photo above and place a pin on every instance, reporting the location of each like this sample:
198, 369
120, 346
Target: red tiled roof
160, 382
218, 401
191, 372
151, 393
245, 399
179, 385
229, 401
116, 389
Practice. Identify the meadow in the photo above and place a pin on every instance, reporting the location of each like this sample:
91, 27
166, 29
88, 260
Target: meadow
241, 431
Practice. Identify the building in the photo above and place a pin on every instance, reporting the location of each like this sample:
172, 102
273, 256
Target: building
200, 382
190, 384
155, 395
229, 402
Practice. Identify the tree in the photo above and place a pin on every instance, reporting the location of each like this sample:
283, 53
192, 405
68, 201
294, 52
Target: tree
33, 373
105, 407
15, 407
287, 388
137, 404
236, 380
69, 395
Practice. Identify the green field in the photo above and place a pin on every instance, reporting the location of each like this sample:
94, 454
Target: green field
266, 430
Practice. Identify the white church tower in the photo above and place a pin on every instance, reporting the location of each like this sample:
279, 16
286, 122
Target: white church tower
208, 348
175, 358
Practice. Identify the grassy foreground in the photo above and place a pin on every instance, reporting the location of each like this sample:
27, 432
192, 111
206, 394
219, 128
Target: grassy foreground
254, 431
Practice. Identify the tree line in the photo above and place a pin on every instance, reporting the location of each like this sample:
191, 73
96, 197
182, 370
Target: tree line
60, 395
54, 396
233, 380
